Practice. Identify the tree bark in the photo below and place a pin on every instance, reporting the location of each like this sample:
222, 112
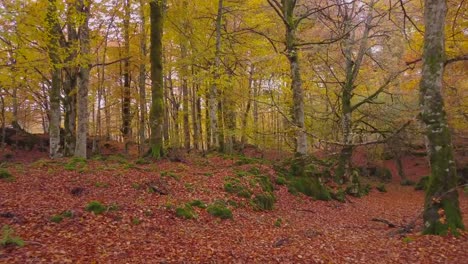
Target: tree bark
126, 117
157, 89
53, 45
441, 208
213, 101
142, 78
83, 80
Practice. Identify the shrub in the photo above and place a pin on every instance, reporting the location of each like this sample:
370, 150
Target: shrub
95, 207
339, 195
219, 209
381, 188
422, 183
56, 218
186, 212
383, 174
8, 238
264, 201
407, 182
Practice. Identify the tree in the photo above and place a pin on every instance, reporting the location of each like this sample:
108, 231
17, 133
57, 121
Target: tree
157, 88
441, 207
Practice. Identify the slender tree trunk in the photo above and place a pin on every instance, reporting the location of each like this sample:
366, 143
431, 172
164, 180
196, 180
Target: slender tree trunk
54, 31
247, 108
213, 101
142, 78
441, 209
157, 89
195, 116
185, 73
126, 116
83, 81
2, 142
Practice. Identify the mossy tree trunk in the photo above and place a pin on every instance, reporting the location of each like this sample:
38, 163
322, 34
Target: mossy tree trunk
126, 115
83, 8
157, 88
286, 10
54, 32
441, 209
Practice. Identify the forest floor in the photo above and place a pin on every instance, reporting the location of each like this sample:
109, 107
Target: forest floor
142, 227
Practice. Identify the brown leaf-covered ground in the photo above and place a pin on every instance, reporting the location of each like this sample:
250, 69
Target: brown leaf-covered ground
310, 231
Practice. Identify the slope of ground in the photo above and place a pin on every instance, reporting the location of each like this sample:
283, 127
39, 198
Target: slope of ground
142, 226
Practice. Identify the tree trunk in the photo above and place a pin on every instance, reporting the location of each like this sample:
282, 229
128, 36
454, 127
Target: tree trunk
83, 80
213, 101
247, 108
2, 142
441, 209
157, 89
142, 78
126, 117
54, 31
296, 81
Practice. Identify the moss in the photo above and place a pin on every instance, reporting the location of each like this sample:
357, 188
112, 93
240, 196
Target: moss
142, 161
381, 188
76, 164
95, 207
233, 185
136, 221
6, 175
265, 183
219, 209
278, 222
281, 180
186, 212
9, 239
254, 171
198, 203
422, 183
263, 201
56, 218
246, 160
310, 187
